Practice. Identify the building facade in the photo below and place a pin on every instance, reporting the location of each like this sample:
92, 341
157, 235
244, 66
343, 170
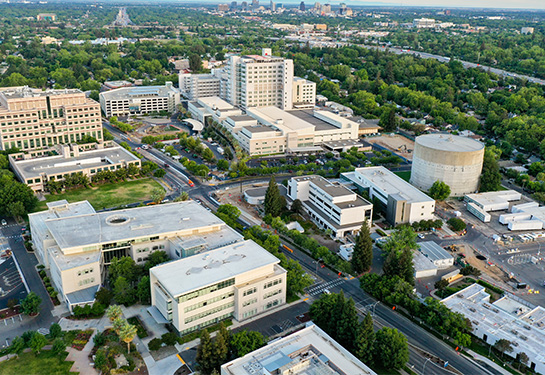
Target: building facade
259, 81
304, 93
403, 202
36, 169
195, 86
241, 280
32, 119
139, 100
331, 206
76, 243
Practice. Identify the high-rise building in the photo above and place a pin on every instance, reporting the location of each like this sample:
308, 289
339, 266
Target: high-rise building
244, 6
194, 86
234, 5
304, 93
272, 6
259, 81
32, 119
302, 6
223, 7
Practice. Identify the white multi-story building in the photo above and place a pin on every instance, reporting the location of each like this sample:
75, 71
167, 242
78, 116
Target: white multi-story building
403, 202
424, 23
304, 352
195, 86
89, 159
240, 281
76, 243
139, 100
32, 119
259, 81
509, 318
332, 206
304, 93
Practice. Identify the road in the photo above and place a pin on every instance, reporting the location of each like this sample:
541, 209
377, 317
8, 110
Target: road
417, 336
466, 64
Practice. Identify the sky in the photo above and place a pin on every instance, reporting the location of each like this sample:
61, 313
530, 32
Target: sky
532, 4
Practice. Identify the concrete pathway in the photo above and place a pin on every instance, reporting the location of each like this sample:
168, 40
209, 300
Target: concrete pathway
82, 363
489, 362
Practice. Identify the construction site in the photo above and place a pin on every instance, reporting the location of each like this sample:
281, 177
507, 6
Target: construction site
396, 143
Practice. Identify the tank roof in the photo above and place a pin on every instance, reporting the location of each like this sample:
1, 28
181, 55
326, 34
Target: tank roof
448, 142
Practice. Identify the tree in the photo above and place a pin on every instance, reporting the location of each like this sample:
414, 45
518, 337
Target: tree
15, 209
113, 312
55, 331
118, 324
195, 63
37, 342
123, 293
503, 346
456, 224
222, 165
388, 119
297, 206
439, 191
245, 342
31, 304
490, 175
399, 254
159, 173
362, 257
156, 258
58, 346
155, 344
125, 267
205, 353
365, 340
143, 290
221, 350
274, 202
127, 334
17, 345
101, 361
182, 197
441, 284
523, 359
104, 296
157, 194
391, 348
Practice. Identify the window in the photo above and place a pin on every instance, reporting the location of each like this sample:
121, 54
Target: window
272, 283
249, 291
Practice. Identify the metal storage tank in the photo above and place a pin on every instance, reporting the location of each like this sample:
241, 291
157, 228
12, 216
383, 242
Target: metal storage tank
455, 160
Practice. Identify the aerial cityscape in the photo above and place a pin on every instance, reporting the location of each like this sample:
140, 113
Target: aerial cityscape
258, 188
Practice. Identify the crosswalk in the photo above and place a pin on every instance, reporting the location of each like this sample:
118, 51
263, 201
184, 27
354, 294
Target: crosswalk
319, 287
14, 236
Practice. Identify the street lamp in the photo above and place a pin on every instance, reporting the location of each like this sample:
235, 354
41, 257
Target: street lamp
424, 366
374, 305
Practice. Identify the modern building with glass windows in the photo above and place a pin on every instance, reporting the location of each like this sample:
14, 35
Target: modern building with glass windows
76, 243
240, 280
32, 119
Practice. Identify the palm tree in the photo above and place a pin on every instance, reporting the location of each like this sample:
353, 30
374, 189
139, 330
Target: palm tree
113, 312
182, 197
127, 334
119, 324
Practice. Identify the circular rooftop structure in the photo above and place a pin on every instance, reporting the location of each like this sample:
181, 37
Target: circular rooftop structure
455, 160
117, 219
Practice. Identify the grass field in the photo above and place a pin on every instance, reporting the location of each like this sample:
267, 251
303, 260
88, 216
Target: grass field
107, 195
31, 364
406, 175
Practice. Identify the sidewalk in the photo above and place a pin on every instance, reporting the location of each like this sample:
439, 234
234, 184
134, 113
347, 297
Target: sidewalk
82, 362
488, 362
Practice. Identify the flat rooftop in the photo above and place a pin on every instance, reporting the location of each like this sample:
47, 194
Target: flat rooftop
256, 129
242, 118
449, 142
309, 351
28, 92
283, 120
508, 318
433, 251
308, 116
195, 272
388, 182
494, 197
123, 225
137, 91
215, 102
422, 263
56, 165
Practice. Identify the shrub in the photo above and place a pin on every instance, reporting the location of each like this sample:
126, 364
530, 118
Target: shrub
456, 224
155, 344
170, 338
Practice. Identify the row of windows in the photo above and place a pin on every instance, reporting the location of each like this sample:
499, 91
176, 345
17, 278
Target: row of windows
208, 302
249, 291
273, 293
272, 283
86, 281
209, 312
249, 302
248, 314
206, 324
271, 304
206, 290
85, 271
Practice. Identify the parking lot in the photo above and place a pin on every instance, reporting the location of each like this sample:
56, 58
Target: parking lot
11, 282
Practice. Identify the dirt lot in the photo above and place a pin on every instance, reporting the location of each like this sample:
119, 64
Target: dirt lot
393, 143
493, 272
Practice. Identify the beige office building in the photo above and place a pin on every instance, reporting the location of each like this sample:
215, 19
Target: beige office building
304, 93
37, 168
31, 119
76, 243
259, 81
241, 280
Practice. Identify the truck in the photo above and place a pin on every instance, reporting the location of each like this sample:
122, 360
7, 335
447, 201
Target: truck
220, 150
190, 183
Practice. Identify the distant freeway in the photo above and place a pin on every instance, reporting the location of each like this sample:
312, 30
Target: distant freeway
466, 64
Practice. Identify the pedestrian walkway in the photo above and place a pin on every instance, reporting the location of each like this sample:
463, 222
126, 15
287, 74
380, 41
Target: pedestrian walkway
82, 363
488, 362
320, 287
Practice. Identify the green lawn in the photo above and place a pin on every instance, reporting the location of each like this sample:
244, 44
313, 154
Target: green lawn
107, 195
31, 364
406, 175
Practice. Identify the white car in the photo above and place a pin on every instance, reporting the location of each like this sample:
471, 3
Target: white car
4, 222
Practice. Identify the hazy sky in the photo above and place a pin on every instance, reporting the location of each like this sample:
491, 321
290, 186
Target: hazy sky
533, 4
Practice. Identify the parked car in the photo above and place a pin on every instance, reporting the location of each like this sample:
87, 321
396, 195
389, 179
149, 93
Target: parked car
4, 222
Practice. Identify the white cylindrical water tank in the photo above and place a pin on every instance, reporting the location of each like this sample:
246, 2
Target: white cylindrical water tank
455, 160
